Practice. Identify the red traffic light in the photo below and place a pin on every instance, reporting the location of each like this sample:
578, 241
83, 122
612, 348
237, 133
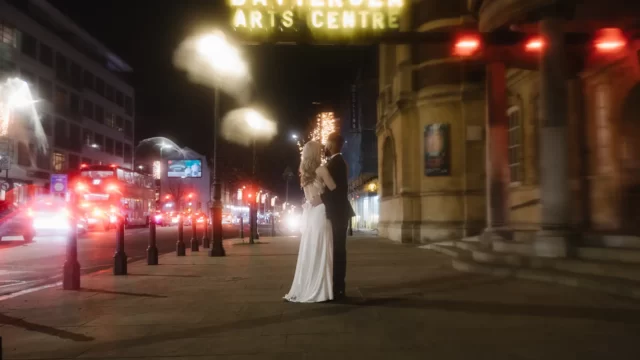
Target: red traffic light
467, 45
610, 40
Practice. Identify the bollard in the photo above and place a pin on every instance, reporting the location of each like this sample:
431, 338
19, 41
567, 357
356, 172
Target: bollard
195, 245
241, 228
350, 228
71, 270
152, 250
273, 227
120, 258
180, 246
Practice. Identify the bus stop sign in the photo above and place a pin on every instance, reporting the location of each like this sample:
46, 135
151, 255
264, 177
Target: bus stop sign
59, 183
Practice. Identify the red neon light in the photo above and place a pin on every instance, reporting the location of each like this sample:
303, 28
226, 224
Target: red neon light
610, 40
467, 45
534, 44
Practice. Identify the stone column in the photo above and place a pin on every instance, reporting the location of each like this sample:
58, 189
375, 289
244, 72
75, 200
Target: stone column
551, 241
497, 149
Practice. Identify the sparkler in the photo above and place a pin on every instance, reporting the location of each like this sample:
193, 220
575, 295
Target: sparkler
325, 125
15, 96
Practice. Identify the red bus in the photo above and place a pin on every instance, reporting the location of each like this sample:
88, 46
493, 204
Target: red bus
109, 191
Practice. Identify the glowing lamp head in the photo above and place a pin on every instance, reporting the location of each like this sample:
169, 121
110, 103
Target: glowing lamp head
534, 44
610, 40
467, 45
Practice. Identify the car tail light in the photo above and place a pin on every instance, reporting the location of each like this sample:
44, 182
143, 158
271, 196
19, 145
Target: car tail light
29, 212
97, 212
112, 188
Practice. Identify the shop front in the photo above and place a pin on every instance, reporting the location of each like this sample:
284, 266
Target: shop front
365, 201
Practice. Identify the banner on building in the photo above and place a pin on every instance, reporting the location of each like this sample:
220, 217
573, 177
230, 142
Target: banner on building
437, 157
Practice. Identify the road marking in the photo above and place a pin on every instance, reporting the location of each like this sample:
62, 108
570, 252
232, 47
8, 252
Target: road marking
28, 291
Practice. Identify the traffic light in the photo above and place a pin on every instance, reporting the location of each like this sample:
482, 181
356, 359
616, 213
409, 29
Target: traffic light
467, 45
535, 43
609, 40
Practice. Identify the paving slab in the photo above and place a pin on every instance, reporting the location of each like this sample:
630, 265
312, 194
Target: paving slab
404, 303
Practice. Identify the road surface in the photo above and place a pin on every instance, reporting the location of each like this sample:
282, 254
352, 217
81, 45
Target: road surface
24, 266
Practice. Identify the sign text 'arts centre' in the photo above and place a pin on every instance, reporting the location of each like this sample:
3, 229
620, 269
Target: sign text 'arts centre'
335, 16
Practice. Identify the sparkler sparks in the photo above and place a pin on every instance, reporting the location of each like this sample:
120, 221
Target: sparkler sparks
325, 125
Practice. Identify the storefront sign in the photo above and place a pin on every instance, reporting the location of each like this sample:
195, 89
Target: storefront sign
58, 183
331, 16
436, 150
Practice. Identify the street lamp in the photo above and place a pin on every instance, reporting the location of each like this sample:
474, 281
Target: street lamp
225, 63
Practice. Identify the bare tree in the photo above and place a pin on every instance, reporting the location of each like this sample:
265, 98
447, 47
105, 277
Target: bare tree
177, 190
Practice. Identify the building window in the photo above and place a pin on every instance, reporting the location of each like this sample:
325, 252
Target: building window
87, 109
86, 161
110, 119
108, 145
109, 93
60, 99
99, 86
29, 77
119, 149
24, 157
76, 76
388, 168
74, 161
58, 162
119, 98
47, 124
8, 34
99, 114
515, 144
98, 140
75, 138
128, 153
43, 160
88, 80
46, 89
119, 123
60, 131
46, 55
87, 137
29, 46
62, 67
128, 128
128, 105
74, 103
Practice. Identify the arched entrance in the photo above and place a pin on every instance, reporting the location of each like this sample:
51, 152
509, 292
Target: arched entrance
630, 161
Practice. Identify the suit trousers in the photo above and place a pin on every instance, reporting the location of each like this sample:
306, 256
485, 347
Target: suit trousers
339, 255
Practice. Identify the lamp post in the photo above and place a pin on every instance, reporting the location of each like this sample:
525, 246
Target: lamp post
225, 63
256, 122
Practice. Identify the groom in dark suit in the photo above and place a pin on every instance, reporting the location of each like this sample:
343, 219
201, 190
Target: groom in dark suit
339, 211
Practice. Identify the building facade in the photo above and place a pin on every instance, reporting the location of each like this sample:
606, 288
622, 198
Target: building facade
541, 145
185, 193
86, 106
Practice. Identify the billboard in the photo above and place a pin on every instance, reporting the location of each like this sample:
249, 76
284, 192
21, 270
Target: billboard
184, 168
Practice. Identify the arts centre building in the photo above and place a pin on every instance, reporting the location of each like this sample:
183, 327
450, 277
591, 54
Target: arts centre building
534, 143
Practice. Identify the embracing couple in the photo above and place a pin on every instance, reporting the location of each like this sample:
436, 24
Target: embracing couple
322, 258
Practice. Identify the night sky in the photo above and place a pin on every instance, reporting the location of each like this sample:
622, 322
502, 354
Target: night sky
288, 79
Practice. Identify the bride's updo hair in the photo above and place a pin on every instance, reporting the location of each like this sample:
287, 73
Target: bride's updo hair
311, 160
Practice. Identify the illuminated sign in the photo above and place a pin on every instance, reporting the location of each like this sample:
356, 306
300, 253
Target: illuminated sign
328, 16
157, 170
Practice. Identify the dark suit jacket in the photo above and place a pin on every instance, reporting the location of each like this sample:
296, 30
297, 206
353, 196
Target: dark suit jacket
336, 202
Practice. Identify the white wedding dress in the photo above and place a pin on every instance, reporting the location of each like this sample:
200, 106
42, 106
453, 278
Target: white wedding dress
313, 280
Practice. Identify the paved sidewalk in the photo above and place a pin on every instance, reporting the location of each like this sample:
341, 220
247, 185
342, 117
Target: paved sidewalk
406, 303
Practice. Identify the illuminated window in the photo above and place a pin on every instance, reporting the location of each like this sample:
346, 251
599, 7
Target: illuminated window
515, 144
58, 162
8, 34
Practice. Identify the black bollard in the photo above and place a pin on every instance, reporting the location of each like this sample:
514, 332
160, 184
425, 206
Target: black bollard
152, 250
241, 228
71, 270
195, 245
205, 235
120, 258
273, 226
180, 246
350, 228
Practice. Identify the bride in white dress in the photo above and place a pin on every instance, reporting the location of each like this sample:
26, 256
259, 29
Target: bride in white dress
313, 280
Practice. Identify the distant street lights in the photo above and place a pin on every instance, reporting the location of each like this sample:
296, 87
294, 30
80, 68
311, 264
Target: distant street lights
225, 64
257, 122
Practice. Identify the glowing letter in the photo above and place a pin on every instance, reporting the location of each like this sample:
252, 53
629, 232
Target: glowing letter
256, 19
378, 20
287, 18
349, 19
363, 19
280, 2
273, 18
394, 21
335, 3
300, 3
317, 3
314, 19
332, 20
356, 3
258, 2
395, 3
375, 3
237, 2
239, 20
